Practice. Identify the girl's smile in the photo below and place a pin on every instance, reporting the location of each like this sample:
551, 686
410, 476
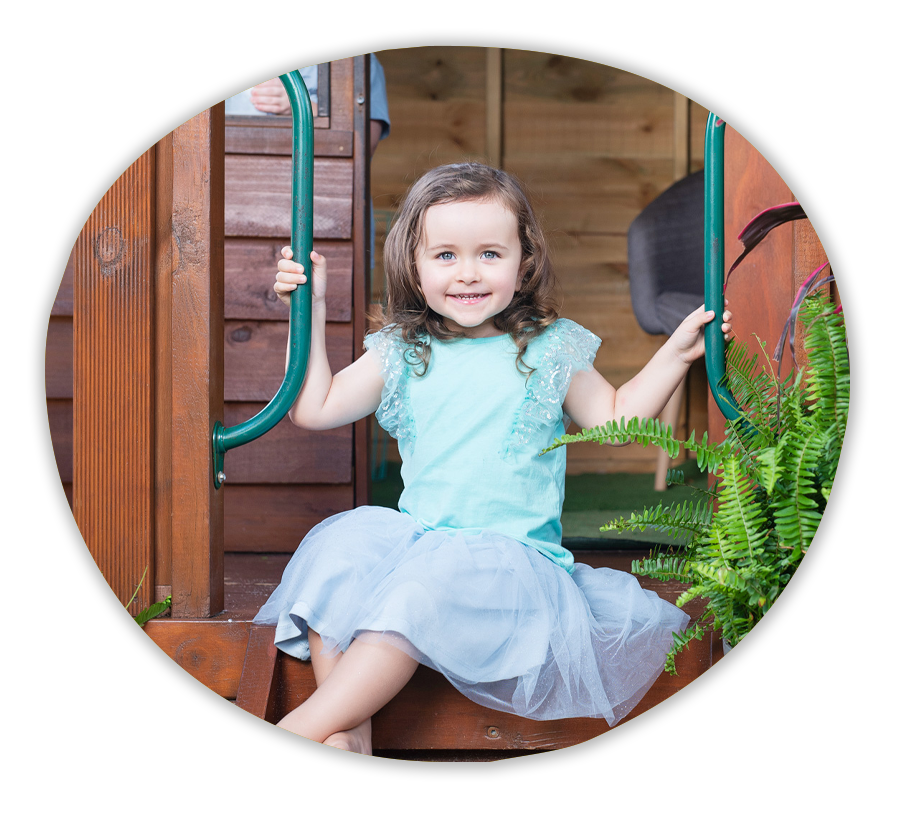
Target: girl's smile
468, 299
469, 263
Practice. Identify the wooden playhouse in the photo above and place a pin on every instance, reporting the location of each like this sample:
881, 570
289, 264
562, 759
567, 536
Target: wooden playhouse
165, 322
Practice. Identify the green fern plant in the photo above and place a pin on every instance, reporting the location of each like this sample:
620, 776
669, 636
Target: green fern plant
774, 474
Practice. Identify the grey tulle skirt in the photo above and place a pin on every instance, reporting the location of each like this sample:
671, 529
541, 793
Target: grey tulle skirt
505, 625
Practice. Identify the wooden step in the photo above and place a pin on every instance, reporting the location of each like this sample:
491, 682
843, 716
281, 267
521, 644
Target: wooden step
257, 687
429, 719
429, 714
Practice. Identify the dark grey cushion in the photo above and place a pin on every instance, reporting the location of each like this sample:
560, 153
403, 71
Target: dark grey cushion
666, 256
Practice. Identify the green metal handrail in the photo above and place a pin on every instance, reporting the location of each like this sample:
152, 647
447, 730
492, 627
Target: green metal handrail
224, 439
715, 355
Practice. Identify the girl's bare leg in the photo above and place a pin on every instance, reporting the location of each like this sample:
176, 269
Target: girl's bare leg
356, 685
322, 663
359, 739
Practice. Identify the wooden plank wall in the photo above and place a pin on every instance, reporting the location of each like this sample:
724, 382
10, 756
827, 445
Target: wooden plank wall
289, 480
593, 144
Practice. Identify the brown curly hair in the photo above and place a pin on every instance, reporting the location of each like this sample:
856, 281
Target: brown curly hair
534, 305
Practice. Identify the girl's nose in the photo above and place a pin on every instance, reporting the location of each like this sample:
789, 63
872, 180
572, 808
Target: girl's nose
467, 273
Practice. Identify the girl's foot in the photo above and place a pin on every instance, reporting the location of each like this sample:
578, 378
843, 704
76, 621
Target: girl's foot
359, 739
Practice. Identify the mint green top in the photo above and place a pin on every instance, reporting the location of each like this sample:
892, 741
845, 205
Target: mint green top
471, 429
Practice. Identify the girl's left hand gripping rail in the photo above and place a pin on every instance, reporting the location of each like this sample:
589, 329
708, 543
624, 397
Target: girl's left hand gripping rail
223, 439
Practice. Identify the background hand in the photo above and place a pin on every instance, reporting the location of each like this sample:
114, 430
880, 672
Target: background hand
291, 274
271, 97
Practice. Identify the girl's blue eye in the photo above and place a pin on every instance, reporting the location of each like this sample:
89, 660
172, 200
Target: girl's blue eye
446, 255
489, 255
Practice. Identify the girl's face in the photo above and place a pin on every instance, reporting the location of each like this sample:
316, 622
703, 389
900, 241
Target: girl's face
468, 263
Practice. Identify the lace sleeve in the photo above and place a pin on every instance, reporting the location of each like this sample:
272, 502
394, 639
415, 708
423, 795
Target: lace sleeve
394, 412
570, 348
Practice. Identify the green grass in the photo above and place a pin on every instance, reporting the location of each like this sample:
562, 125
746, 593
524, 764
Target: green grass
591, 501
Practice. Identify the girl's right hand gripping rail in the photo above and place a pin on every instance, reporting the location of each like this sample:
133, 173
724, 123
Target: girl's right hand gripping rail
223, 439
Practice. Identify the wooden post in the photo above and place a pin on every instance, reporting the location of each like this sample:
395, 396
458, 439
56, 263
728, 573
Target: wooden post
196, 363
114, 381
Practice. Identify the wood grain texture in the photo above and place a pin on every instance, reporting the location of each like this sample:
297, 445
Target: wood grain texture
258, 191
274, 518
255, 692
288, 454
254, 138
197, 363
63, 301
255, 354
209, 650
250, 265
113, 377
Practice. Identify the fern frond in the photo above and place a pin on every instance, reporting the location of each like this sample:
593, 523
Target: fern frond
743, 445
708, 455
740, 519
733, 595
736, 625
829, 364
681, 642
691, 593
688, 518
796, 507
793, 408
646, 432
770, 469
663, 567
832, 442
676, 476
608, 433
755, 390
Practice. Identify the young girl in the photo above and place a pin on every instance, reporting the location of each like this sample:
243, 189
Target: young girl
474, 375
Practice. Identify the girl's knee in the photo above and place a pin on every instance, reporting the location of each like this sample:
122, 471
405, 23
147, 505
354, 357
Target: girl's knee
292, 723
